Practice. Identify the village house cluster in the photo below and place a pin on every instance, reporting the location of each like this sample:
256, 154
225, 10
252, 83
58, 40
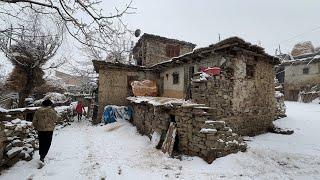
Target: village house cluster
208, 113
300, 73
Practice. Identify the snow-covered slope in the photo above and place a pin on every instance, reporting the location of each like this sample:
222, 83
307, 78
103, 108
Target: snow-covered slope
82, 151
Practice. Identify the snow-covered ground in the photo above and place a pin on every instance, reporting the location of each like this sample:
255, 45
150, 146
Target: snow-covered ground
82, 151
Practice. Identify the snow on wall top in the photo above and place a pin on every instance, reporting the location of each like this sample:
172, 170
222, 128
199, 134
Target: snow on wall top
23, 109
2, 110
161, 101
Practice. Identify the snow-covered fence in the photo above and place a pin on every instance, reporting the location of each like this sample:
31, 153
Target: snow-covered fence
21, 113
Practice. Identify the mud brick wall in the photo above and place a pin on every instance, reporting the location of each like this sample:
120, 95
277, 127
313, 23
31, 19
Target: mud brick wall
114, 86
198, 134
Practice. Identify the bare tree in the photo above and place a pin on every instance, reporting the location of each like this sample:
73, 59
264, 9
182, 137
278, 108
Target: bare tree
28, 48
83, 19
85, 73
2, 78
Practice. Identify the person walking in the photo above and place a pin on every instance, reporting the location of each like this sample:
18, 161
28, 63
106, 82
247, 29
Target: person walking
80, 110
44, 122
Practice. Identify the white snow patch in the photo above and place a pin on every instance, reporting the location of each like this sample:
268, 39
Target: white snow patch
155, 139
61, 109
207, 130
159, 101
316, 101
83, 151
2, 110
278, 94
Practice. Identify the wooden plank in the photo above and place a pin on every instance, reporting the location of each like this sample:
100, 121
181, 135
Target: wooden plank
167, 146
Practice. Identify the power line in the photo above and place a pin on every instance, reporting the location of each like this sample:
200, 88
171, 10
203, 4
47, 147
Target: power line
301, 34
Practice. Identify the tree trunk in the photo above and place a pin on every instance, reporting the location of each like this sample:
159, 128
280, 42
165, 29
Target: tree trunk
26, 91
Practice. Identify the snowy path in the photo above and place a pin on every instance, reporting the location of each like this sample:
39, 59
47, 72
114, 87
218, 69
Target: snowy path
82, 151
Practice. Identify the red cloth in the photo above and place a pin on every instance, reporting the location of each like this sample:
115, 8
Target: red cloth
79, 108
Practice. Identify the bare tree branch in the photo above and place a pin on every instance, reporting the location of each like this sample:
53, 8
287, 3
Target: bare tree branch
84, 20
29, 48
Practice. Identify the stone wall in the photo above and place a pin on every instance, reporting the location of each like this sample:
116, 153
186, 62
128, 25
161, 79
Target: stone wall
309, 96
294, 72
20, 142
198, 133
246, 104
292, 90
2, 141
280, 105
295, 81
18, 138
156, 51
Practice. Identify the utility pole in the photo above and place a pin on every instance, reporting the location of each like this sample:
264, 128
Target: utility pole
280, 49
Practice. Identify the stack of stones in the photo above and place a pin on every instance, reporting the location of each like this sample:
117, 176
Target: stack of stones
148, 118
202, 136
20, 142
246, 109
280, 106
197, 133
214, 91
64, 117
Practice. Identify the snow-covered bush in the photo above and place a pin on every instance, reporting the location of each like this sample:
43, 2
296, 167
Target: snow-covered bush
53, 96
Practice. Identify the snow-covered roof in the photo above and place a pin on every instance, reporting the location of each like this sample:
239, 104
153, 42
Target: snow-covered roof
303, 60
162, 39
235, 43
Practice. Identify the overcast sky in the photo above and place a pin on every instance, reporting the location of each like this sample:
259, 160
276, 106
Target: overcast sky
271, 22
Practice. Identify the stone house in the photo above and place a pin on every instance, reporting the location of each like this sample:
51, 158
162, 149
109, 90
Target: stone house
152, 49
239, 101
300, 74
115, 78
243, 95
249, 72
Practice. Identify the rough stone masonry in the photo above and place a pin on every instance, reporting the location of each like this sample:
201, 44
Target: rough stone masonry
198, 133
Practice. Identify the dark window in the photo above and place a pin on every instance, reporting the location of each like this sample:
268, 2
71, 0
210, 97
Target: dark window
191, 71
305, 71
139, 62
130, 79
172, 118
249, 71
175, 77
172, 50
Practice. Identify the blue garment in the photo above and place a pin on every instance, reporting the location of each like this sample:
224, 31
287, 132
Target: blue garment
129, 111
109, 115
113, 114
